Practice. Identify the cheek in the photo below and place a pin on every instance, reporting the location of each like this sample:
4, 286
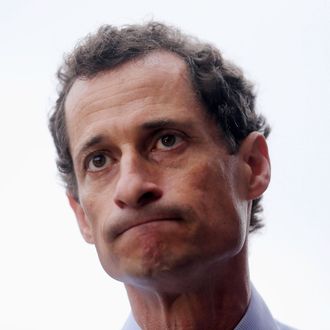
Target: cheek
97, 208
209, 189
204, 183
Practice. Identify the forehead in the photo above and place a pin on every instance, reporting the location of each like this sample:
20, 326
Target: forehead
156, 71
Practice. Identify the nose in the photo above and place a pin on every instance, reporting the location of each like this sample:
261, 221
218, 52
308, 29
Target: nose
135, 187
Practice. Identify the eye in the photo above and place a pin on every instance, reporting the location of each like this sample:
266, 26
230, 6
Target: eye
168, 141
98, 162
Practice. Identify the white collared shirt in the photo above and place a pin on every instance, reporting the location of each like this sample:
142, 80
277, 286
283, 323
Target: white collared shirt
257, 317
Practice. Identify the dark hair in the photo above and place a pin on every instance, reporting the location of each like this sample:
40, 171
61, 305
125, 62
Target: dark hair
227, 96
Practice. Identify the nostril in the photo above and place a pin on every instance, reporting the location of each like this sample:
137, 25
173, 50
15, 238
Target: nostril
120, 203
134, 192
148, 197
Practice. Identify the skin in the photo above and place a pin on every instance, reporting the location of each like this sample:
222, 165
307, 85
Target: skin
165, 203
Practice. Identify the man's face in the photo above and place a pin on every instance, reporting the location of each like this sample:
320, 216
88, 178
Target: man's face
158, 191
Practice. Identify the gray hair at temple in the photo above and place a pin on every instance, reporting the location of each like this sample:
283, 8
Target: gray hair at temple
227, 96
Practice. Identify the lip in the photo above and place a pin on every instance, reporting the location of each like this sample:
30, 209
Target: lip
151, 221
127, 225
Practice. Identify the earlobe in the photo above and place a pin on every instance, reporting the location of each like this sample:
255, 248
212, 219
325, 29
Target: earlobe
83, 222
255, 154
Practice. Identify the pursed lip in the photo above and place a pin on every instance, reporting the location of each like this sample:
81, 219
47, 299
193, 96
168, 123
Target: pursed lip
123, 225
151, 220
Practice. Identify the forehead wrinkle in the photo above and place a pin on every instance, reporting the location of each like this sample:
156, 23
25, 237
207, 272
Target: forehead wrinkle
177, 73
89, 96
130, 98
129, 95
116, 100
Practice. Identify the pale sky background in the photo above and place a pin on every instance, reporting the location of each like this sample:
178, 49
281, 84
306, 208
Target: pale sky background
49, 277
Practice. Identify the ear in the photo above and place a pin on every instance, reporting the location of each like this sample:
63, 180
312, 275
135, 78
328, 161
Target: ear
254, 151
85, 225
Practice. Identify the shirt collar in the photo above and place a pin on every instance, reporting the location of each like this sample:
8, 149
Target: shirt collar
257, 316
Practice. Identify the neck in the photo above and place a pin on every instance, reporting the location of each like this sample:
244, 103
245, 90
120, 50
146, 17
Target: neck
216, 300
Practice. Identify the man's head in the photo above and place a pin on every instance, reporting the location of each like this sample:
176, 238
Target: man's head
161, 150
227, 96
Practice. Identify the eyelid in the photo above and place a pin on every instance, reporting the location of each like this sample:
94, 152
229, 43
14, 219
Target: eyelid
164, 132
90, 155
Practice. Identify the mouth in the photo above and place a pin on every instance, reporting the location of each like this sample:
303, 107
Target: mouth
126, 224
151, 221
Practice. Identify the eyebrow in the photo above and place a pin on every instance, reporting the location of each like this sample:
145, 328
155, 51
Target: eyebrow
148, 126
165, 123
95, 140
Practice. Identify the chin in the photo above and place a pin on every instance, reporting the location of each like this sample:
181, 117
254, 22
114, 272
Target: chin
168, 274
